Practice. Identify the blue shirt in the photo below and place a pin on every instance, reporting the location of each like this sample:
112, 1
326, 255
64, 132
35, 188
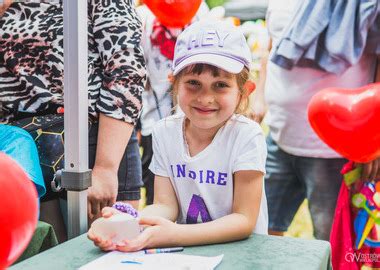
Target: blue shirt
19, 145
331, 35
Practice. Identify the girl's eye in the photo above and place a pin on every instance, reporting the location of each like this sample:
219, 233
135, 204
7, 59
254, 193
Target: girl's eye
193, 83
221, 85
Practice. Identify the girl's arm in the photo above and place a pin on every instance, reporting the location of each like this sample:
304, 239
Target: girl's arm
248, 187
161, 232
165, 207
165, 200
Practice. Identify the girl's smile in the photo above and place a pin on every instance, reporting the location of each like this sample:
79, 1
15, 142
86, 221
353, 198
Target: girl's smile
208, 99
205, 110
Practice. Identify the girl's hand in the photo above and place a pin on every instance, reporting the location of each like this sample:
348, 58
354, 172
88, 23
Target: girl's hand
109, 211
159, 232
104, 244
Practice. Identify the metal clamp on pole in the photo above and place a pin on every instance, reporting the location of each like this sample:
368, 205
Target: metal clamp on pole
56, 183
76, 181
76, 184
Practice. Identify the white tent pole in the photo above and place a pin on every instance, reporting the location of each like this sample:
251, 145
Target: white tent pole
76, 177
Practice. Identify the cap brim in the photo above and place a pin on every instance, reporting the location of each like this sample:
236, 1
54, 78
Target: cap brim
222, 62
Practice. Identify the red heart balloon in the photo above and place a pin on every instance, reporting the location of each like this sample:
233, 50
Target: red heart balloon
174, 13
348, 120
18, 211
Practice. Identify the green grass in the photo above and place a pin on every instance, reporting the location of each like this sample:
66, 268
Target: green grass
301, 226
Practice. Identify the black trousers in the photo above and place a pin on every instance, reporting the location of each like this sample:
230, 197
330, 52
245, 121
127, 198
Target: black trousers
147, 175
47, 130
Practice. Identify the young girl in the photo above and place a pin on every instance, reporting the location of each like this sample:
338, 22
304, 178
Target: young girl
208, 163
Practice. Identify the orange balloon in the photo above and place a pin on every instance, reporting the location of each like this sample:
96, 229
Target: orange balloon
18, 210
348, 120
174, 13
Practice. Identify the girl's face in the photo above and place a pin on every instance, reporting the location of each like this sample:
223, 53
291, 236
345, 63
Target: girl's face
208, 100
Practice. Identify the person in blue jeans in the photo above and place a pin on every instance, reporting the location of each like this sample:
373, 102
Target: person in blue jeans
20, 146
300, 165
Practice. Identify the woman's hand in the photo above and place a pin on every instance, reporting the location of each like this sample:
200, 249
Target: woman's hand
103, 191
259, 108
113, 137
158, 232
104, 244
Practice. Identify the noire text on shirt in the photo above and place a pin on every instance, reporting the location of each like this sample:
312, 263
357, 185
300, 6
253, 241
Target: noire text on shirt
204, 176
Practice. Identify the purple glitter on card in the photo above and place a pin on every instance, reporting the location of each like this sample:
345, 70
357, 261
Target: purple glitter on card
197, 206
126, 208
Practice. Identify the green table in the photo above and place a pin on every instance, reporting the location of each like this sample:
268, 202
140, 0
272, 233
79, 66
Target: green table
43, 239
257, 252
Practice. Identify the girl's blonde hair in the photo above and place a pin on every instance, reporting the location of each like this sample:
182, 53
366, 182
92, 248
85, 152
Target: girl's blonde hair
243, 106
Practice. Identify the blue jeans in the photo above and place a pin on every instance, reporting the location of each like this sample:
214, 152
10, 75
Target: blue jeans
290, 179
130, 173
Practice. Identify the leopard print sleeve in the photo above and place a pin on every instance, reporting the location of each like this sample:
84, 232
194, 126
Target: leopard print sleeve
116, 37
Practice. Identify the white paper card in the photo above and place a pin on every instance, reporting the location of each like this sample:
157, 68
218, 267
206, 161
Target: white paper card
116, 260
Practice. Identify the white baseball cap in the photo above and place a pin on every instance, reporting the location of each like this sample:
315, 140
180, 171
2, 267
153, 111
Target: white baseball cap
215, 43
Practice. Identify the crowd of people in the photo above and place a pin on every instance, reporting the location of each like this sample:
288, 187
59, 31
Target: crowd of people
183, 94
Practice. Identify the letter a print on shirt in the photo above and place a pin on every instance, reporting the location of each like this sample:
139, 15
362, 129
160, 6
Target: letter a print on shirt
197, 207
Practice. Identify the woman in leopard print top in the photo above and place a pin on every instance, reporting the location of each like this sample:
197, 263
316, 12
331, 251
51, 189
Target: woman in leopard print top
31, 81
31, 58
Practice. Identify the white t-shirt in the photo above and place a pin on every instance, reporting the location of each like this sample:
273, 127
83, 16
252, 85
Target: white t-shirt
288, 92
157, 101
204, 183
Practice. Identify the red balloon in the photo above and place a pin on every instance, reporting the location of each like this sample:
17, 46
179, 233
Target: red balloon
174, 13
348, 120
18, 210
